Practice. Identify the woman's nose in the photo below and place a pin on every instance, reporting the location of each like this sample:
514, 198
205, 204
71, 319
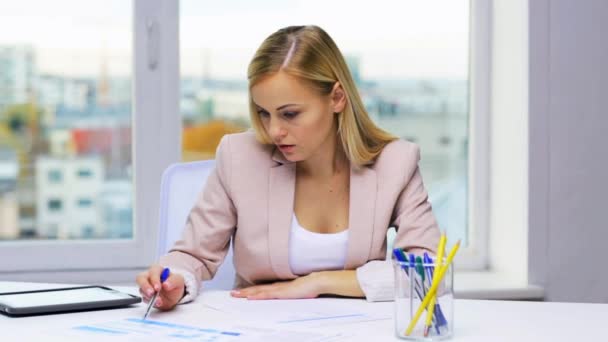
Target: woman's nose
276, 130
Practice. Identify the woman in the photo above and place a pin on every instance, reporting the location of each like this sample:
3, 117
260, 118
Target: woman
308, 197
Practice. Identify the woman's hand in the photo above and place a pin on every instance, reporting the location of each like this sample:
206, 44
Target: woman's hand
308, 286
171, 291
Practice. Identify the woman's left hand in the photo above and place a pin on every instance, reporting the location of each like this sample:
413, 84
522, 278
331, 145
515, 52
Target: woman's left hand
302, 287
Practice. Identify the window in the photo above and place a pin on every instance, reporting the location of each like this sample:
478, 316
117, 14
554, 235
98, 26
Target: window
84, 173
55, 176
88, 231
411, 65
73, 78
55, 204
55, 114
85, 203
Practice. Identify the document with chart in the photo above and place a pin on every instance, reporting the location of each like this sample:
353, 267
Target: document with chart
136, 329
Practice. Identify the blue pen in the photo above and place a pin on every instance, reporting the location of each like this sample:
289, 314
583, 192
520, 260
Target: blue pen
413, 275
429, 268
419, 286
402, 258
163, 276
399, 256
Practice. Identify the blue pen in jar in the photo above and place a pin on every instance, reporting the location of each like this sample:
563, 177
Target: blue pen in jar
163, 276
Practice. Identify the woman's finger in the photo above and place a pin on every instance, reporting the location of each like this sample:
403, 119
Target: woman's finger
154, 276
265, 294
144, 296
158, 302
244, 292
145, 287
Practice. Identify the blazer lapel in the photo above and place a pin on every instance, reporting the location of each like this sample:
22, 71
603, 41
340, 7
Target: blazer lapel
280, 213
362, 208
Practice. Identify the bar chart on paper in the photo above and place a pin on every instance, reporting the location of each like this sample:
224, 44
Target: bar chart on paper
135, 329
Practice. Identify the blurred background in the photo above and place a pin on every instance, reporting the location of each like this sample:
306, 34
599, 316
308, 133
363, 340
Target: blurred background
66, 99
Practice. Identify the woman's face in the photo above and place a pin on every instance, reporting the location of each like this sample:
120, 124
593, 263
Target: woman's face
300, 122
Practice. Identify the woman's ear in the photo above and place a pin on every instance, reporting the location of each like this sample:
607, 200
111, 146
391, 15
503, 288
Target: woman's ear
338, 98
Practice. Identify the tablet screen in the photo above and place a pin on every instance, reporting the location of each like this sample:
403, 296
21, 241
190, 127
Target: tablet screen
68, 296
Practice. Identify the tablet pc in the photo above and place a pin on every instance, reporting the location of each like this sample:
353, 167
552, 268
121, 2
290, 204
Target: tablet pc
63, 300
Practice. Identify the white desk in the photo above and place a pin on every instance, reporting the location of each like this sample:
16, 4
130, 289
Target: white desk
475, 320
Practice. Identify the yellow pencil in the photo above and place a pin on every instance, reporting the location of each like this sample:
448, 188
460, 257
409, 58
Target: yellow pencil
429, 316
438, 262
436, 280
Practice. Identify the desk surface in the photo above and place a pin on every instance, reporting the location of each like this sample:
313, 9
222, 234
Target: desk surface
475, 320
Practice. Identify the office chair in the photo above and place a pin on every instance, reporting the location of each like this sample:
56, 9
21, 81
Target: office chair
180, 187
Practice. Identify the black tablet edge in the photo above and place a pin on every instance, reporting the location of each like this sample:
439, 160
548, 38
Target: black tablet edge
46, 309
59, 289
62, 308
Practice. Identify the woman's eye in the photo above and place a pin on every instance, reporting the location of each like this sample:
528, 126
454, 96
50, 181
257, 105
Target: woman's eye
263, 113
290, 115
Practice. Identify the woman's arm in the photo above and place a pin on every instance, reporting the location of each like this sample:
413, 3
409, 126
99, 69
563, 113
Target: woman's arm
417, 228
205, 239
341, 283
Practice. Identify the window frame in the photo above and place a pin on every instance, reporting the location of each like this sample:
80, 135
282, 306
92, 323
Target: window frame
156, 142
475, 256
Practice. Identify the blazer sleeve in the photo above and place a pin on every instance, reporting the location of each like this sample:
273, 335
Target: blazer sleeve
210, 225
417, 229
417, 232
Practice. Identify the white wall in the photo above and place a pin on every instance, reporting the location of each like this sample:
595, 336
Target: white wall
509, 141
568, 157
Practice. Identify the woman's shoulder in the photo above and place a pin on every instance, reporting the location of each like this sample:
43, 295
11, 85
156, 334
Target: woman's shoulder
397, 162
397, 153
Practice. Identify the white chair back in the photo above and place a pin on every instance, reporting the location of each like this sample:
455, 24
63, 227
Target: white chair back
180, 187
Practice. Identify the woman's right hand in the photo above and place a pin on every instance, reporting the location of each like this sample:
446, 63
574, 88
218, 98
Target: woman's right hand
171, 291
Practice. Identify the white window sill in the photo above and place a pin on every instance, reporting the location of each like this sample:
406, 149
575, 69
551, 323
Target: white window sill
493, 285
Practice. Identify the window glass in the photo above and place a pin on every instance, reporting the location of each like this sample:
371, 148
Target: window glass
65, 118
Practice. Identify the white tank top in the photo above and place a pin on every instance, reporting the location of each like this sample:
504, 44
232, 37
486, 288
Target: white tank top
310, 251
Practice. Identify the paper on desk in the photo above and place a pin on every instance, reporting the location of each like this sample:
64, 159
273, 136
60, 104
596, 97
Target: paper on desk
136, 329
298, 312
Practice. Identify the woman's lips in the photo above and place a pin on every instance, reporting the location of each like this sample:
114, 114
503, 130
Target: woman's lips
286, 148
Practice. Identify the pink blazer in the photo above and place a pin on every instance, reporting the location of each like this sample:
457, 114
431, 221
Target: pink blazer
249, 197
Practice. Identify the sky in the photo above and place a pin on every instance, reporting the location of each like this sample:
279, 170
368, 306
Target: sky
393, 39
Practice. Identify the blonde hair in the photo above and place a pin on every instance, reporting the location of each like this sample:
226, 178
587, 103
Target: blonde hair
309, 53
